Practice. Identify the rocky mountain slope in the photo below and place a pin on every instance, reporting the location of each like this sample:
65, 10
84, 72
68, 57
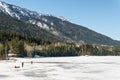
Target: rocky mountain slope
56, 27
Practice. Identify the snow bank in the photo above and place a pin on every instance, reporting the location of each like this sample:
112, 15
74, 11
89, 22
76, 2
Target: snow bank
62, 68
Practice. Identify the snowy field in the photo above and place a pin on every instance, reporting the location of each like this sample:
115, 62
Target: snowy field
62, 68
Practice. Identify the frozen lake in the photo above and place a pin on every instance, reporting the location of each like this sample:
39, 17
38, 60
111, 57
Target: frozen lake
62, 68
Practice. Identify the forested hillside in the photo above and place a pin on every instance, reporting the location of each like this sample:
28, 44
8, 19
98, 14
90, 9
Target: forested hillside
25, 46
8, 23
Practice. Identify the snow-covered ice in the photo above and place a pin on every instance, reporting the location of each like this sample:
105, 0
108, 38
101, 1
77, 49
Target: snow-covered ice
62, 68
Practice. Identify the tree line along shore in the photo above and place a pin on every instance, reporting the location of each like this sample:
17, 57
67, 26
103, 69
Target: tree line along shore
22, 45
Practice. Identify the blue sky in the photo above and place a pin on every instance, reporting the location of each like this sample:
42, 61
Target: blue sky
102, 16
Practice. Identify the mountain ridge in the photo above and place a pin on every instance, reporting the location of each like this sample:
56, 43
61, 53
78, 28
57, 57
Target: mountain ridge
59, 27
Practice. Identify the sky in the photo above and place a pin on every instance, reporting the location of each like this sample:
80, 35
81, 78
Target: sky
102, 16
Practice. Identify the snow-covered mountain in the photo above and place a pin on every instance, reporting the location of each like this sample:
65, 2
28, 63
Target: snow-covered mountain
28, 16
56, 25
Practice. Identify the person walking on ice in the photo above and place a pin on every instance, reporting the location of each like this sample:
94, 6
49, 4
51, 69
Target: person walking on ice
22, 64
31, 62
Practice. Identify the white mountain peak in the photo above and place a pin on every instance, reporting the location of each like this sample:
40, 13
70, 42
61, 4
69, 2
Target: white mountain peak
28, 16
17, 12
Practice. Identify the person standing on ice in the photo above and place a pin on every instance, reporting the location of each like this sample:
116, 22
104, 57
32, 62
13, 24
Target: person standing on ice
31, 62
22, 64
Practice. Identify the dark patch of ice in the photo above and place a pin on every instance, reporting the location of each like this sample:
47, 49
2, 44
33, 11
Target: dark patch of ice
2, 76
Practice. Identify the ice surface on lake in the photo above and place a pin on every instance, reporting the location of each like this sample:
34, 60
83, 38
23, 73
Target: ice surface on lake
62, 68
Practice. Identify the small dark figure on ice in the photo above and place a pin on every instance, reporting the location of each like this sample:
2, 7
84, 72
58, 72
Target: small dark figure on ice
31, 62
22, 64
